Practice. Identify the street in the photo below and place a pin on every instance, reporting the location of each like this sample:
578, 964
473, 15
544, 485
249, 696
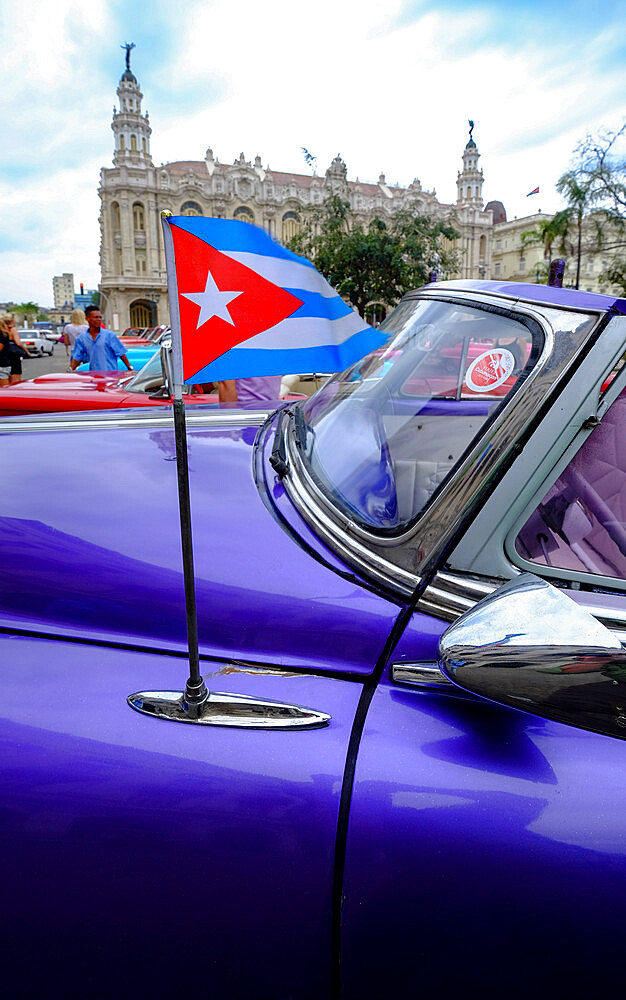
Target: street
57, 362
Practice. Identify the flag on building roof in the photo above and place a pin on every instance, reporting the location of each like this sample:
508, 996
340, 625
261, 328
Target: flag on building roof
534, 191
243, 305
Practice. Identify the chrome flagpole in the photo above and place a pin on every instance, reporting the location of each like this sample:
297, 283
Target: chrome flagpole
196, 692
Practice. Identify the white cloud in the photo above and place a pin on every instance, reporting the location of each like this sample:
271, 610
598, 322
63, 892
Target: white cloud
270, 78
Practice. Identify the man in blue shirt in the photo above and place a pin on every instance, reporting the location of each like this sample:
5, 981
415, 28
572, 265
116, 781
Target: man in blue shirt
100, 347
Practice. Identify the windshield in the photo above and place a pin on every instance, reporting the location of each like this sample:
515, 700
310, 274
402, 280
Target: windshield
149, 378
380, 438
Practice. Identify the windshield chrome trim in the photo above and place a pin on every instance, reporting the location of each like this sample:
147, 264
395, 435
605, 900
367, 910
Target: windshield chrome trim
346, 537
375, 567
237, 418
444, 515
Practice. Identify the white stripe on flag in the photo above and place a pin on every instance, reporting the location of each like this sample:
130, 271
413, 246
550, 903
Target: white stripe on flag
311, 332
286, 273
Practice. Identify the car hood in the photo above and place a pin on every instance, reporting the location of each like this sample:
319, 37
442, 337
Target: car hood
98, 554
67, 380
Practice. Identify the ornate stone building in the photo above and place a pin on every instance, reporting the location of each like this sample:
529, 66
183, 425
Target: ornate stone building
133, 193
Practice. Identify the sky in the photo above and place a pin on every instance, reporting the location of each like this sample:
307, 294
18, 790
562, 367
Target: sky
388, 86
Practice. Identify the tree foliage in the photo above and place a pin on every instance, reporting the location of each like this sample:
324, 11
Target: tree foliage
374, 264
27, 310
615, 275
594, 217
601, 167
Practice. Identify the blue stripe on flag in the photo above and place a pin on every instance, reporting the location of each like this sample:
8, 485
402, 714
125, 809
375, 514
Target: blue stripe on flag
323, 306
332, 358
230, 234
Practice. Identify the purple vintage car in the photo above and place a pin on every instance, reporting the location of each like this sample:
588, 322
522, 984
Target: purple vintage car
366, 809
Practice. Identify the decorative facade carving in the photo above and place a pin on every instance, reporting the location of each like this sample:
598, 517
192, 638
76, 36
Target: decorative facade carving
133, 193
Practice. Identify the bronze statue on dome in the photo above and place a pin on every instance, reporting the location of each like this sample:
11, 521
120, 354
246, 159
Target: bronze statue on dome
471, 125
128, 46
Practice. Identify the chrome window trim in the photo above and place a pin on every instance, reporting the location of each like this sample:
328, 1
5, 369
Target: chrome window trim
435, 291
12, 425
520, 563
452, 594
444, 515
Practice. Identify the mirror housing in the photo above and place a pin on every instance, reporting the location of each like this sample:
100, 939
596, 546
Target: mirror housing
530, 646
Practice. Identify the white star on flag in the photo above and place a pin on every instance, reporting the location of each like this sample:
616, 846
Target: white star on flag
212, 302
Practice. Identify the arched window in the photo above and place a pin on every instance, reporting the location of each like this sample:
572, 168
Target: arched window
140, 261
141, 313
243, 215
122, 143
191, 208
291, 225
115, 216
143, 146
482, 247
139, 223
133, 143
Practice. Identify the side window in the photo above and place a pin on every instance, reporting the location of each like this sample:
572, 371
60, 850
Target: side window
580, 525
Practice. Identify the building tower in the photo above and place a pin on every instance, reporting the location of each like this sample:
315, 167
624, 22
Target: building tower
469, 182
130, 127
473, 221
131, 257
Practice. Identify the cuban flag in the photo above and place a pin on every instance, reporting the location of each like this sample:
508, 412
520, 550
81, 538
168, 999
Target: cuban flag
241, 305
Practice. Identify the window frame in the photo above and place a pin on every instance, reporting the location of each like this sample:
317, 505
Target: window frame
577, 578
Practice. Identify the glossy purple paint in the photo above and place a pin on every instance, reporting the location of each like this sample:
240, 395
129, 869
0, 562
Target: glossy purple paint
486, 851
485, 847
98, 552
132, 845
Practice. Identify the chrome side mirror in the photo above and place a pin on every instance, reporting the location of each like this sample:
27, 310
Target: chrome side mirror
530, 646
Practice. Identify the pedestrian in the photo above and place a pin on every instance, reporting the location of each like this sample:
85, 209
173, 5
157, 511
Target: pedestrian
97, 345
73, 329
5, 361
16, 349
264, 389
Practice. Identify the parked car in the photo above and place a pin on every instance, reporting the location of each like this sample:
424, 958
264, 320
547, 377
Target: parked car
137, 358
340, 818
93, 391
36, 342
139, 337
84, 390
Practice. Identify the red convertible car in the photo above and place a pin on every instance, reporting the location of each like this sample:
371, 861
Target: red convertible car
94, 391
151, 386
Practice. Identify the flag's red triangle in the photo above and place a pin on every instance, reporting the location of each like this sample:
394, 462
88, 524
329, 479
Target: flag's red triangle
260, 304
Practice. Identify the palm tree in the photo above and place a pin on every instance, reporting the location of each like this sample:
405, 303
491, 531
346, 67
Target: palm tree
549, 231
579, 198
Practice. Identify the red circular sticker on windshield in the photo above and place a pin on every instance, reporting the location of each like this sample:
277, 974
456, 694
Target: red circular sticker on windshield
490, 370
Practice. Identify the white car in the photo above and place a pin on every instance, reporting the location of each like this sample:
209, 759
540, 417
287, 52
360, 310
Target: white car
36, 342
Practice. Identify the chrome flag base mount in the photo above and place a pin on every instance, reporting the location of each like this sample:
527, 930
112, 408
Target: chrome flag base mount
233, 710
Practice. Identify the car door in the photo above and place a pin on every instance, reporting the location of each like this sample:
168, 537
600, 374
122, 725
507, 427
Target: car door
486, 846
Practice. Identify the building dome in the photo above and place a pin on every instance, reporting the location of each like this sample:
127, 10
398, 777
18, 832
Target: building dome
128, 77
498, 210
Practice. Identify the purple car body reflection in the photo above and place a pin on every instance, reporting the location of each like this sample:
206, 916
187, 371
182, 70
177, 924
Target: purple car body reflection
424, 837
